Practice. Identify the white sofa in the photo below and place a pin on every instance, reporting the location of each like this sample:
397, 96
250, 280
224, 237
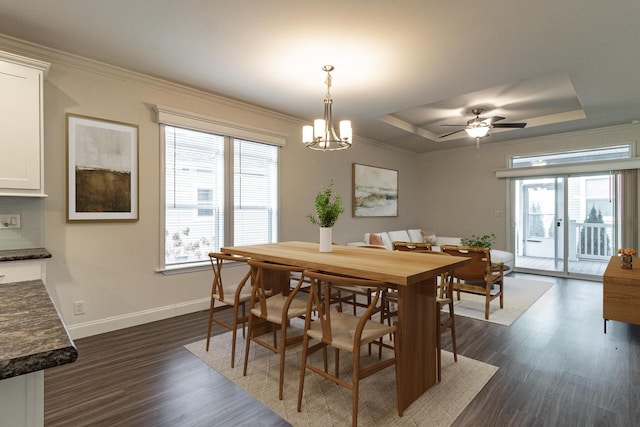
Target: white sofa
416, 235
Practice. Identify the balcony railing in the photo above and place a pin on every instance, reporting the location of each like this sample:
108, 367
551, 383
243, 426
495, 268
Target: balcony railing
594, 240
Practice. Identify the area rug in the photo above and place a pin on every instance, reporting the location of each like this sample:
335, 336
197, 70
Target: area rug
519, 295
326, 404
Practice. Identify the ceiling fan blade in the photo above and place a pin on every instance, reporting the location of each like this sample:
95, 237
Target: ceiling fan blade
454, 125
493, 119
510, 125
450, 133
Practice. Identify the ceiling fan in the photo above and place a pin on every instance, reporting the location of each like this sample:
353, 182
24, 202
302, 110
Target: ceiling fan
479, 127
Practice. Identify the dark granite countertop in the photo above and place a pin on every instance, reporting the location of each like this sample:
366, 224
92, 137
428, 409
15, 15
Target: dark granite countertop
32, 336
24, 254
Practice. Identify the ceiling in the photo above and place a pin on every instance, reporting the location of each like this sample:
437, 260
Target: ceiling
402, 68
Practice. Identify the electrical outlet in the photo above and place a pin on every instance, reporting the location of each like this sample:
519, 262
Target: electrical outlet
497, 214
78, 308
9, 221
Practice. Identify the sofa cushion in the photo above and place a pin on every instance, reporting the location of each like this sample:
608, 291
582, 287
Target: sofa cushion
415, 235
448, 241
375, 239
399, 236
429, 237
502, 256
385, 239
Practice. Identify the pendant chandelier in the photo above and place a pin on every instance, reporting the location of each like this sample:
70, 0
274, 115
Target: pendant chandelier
322, 135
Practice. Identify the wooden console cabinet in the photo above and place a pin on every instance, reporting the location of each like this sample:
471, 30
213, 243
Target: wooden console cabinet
621, 292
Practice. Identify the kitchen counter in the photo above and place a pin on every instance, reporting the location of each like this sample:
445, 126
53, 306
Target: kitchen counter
23, 254
32, 336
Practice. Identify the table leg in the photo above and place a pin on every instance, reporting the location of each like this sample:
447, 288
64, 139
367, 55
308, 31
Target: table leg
417, 341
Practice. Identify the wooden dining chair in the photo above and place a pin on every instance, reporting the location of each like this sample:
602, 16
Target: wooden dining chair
478, 276
275, 306
349, 294
342, 331
229, 295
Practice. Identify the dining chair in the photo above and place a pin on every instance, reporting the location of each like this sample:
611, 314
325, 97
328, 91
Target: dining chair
354, 291
276, 307
357, 296
342, 331
229, 295
478, 276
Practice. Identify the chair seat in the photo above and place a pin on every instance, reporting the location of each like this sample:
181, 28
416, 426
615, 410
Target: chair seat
443, 301
275, 305
229, 295
343, 327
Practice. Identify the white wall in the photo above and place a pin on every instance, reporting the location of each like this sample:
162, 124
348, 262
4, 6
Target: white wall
462, 192
112, 266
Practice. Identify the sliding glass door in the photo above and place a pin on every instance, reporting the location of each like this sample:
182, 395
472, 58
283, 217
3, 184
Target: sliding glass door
565, 224
539, 218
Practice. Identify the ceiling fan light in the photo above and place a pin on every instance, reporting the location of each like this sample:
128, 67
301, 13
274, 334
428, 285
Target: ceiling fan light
477, 131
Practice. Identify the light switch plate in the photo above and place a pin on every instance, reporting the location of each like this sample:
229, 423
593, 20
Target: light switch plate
9, 221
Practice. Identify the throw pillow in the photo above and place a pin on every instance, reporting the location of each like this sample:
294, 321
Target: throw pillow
375, 239
429, 237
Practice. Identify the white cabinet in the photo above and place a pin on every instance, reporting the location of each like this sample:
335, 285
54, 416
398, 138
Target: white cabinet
20, 271
22, 400
21, 121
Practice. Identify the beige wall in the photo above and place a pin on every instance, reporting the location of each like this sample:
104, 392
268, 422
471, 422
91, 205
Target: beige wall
112, 266
462, 192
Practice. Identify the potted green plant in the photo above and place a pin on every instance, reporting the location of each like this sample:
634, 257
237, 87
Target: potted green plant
328, 208
484, 241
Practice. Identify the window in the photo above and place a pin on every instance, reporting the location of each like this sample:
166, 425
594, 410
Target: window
204, 209
598, 197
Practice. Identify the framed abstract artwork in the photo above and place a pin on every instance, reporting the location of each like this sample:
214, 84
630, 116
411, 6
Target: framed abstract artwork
102, 170
375, 191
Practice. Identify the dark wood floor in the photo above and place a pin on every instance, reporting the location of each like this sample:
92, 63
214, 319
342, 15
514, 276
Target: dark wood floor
557, 368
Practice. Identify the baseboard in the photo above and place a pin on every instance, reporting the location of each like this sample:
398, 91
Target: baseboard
114, 323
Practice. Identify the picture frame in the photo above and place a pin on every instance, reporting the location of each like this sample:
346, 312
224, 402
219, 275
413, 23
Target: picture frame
102, 169
375, 191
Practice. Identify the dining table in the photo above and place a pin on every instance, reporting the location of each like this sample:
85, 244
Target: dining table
412, 274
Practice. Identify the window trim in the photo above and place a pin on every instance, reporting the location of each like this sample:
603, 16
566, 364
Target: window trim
186, 119
570, 168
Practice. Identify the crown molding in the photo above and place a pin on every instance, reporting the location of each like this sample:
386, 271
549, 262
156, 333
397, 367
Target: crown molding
54, 56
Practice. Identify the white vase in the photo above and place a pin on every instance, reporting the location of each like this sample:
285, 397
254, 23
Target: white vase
325, 239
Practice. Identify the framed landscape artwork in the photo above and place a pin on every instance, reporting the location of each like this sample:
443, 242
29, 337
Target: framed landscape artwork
102, 170
375, 191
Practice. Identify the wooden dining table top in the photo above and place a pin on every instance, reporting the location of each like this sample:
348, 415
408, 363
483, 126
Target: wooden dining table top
396, 267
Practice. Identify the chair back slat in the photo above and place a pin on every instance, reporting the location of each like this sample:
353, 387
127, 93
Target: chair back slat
260, 292
217, 259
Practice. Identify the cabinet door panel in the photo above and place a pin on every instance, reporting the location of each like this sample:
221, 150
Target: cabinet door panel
19, 271
20, 123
